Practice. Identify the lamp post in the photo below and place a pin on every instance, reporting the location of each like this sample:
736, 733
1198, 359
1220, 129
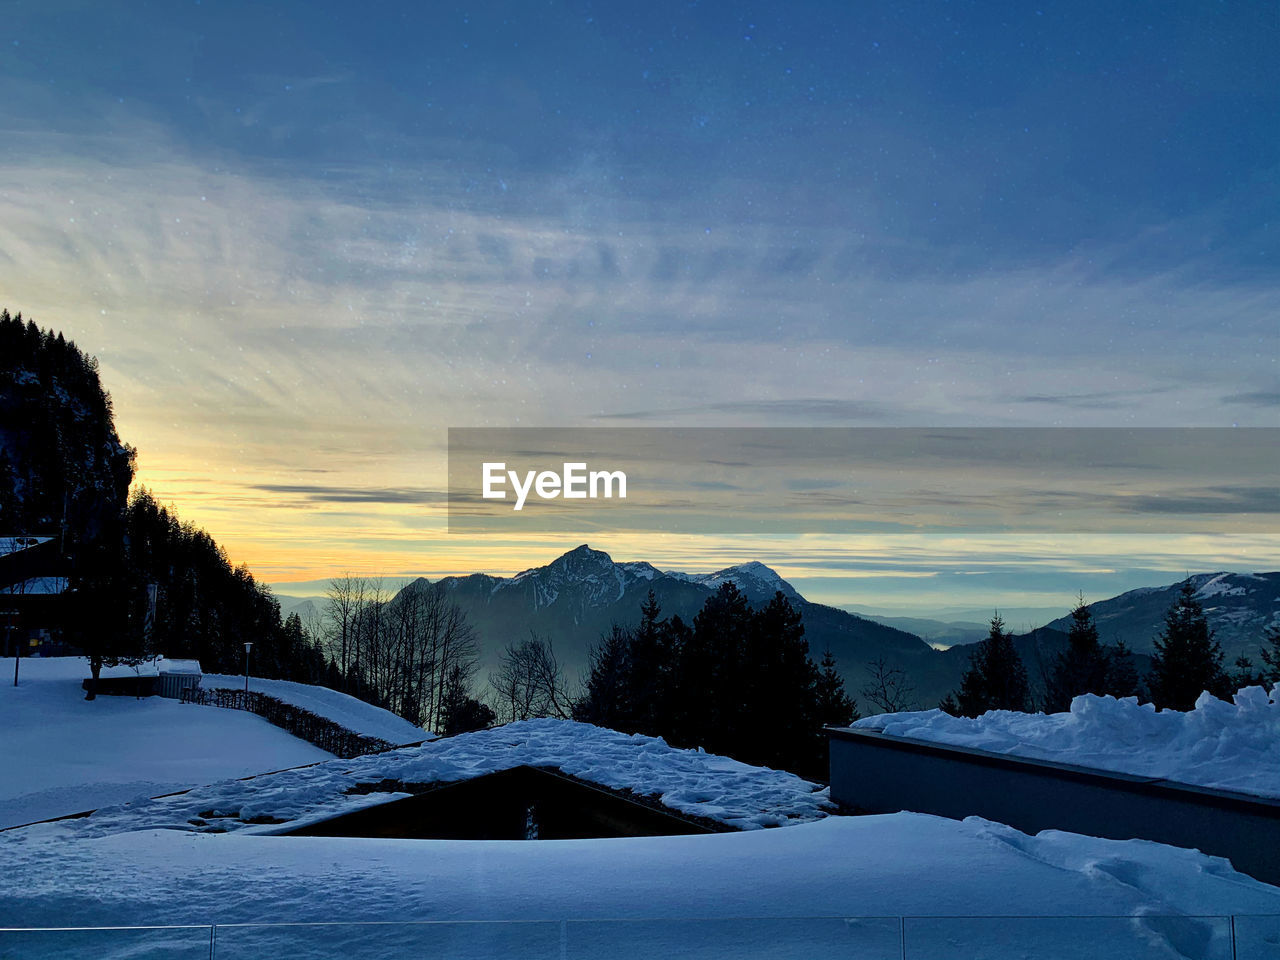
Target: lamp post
9, 616
246, 674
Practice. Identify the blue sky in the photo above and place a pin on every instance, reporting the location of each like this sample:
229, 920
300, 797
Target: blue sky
305, 239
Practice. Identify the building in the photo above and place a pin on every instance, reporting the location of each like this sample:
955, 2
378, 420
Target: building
33, 585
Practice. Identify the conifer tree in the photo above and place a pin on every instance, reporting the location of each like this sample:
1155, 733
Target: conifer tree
1187, 660
996, 678
1270, 672
606, 701
710, 682
777, 691
649, 677
1122, 675
1083, 667
834, 707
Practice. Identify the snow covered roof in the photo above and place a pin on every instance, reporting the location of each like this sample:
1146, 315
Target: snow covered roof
164, 666
43, 586
126, 670
14, 544
689, 781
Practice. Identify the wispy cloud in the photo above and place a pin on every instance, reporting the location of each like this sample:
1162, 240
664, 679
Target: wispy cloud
1256, 398
254, 328
324, 494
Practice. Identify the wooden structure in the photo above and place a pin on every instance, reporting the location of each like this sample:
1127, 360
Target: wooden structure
523, 803
177, 676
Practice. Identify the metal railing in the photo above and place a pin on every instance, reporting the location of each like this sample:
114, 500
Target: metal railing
1146, 937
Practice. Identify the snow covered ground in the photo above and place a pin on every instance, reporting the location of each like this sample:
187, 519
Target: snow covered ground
886, 866
145, 863
60, 754
346, 711
1232, 746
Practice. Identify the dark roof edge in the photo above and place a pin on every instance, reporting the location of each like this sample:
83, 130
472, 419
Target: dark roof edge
1132, 783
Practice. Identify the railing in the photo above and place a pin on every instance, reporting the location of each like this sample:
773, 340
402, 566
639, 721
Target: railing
321, 731
783, 938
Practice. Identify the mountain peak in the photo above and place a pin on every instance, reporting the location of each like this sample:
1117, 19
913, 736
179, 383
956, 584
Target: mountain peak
757, 569
753, 578
583, 554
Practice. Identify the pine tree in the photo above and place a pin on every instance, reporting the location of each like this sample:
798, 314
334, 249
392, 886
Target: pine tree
1187, 660
649, 677
1270, 673
777, 692
607, 702
1082, 668
709, 693
996, 678
1122, 675
834, 707
459, 711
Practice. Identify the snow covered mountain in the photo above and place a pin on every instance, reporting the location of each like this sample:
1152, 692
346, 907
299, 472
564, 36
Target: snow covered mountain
581, 594
590, 578
1240, 607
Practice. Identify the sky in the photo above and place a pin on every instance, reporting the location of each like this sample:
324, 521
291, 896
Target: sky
306, 239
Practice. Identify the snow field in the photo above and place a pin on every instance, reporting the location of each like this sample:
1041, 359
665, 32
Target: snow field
61, 754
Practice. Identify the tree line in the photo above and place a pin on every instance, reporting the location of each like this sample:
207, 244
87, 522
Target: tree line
1187, 661
414, 653
736, 680
65, 474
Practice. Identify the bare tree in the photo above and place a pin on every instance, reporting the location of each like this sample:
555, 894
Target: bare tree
888, 689
345, 596
530, 682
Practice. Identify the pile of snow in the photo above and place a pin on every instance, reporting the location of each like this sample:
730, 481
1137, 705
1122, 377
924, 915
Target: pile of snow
61, 754
1231, 746
346, 711
690, 781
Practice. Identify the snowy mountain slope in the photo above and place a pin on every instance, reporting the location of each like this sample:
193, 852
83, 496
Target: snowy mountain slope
1239, 607
61, 755
754, 579
581, 594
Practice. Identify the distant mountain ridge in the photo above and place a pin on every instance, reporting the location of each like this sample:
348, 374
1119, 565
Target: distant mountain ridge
1240, 607
578, 596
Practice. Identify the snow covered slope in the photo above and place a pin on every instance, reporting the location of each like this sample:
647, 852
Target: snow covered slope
346, 711
60, 754
1240, 607
1232, 746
